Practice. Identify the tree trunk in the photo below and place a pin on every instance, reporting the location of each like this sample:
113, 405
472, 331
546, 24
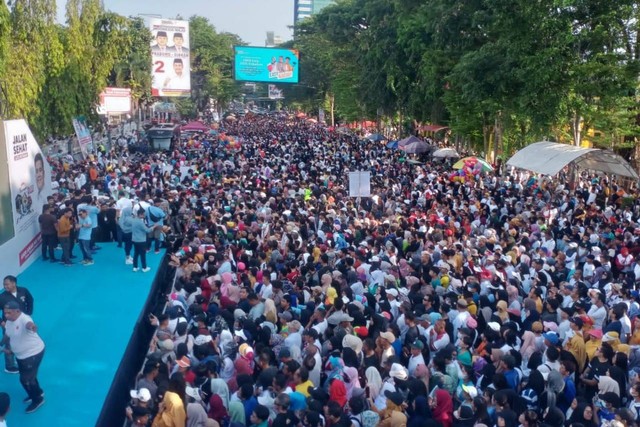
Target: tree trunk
498, 131
576, 125
487, 131
332, 104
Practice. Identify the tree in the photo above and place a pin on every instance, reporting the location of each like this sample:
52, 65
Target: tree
211, 64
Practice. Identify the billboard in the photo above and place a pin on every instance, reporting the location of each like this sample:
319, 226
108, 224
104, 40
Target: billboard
24, 187
275, 93
83, 133
115, 100
266, 64
171, 66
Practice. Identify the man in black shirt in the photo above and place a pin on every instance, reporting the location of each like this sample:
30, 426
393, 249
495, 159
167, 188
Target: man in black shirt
49, 236
13, 292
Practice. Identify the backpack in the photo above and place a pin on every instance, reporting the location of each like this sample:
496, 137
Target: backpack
155, 214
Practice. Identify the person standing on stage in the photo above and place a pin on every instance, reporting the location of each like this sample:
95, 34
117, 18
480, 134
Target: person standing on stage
124, 225
13, 292
48, 229
139, 232
64, 227
85, 227
28, 348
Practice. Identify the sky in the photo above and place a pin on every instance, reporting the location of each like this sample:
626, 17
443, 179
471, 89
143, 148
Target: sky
250, 19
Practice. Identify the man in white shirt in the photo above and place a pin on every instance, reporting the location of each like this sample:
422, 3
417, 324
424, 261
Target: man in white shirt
28, 348
597, 312
122, 203
460, 320
416, 356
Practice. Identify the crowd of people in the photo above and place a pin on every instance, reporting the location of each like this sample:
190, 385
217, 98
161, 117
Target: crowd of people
494, 300
491, 301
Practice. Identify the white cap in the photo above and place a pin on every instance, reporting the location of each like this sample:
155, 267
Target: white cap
143, 395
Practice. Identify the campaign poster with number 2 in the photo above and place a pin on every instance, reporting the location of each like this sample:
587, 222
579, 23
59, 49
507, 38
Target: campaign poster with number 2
171, 67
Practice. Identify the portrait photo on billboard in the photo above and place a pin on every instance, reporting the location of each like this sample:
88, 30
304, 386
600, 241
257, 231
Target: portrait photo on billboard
29, 175
170, 58
265, 64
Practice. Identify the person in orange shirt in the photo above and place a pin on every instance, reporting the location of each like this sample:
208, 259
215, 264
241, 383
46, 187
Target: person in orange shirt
93, 173
63, 228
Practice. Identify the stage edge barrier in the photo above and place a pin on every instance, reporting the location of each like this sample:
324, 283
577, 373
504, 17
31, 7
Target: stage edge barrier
113, 410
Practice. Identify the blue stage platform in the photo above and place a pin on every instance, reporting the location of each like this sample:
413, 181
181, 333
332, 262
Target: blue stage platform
86, 316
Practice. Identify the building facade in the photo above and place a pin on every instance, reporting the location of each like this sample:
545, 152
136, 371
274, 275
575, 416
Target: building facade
306, 8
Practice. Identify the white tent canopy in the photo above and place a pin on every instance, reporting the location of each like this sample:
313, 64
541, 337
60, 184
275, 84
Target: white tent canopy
549, 158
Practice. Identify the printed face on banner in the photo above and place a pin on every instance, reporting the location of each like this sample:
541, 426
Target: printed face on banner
30, 183
264, 64
170, 57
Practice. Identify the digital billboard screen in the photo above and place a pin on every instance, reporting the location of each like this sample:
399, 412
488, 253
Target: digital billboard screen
266, 64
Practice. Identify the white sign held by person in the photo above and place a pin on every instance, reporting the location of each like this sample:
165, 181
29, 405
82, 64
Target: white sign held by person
24, 187
360, 184
170, 57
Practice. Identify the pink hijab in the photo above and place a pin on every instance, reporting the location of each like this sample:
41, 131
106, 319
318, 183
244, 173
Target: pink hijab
528, 344
354, 382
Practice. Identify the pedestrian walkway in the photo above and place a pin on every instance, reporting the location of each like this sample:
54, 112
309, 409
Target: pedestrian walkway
85, 315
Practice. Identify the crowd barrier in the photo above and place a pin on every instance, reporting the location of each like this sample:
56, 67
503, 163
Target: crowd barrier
113, 410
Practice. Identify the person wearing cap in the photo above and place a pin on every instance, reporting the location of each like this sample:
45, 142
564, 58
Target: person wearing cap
393, 415
384, 349
416, 357
28, 348
141, 399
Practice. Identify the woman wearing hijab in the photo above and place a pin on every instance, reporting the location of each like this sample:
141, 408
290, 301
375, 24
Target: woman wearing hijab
338, 391
217, 410
270, 312
420, 413
442, 407
607, 384
354, 381
220, 388
335, 368
577, 348
374, 384
171, 411
593, 342
582, 414
553, 418
501, 312
237, 413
